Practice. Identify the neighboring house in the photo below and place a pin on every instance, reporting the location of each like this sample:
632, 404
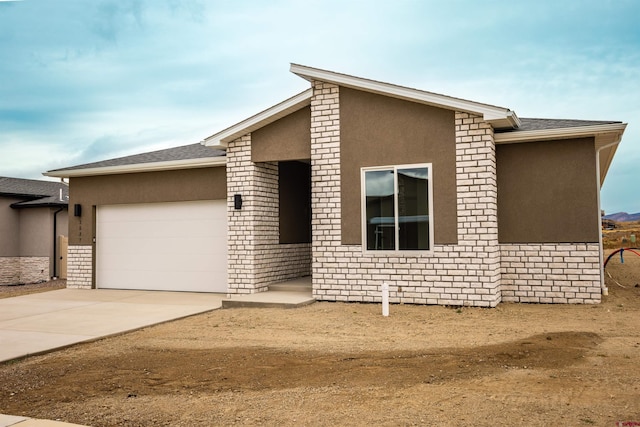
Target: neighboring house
356, 183
33, 230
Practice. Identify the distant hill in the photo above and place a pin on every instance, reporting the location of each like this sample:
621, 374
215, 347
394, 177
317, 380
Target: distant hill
623, 217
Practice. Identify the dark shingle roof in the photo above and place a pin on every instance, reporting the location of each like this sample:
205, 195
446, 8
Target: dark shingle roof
185, 152
35, 193
528, 124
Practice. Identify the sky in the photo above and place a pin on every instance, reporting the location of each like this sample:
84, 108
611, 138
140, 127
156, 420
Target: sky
82, 81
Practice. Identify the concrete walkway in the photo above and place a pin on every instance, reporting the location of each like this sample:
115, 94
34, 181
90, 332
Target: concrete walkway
37, 323
290, 294
15, 421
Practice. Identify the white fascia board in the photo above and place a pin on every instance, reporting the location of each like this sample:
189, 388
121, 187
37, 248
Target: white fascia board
617, 129
141, 167
499, 117
605, 155
270, 115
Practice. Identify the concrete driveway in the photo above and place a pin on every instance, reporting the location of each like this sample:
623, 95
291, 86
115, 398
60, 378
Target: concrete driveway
38, 323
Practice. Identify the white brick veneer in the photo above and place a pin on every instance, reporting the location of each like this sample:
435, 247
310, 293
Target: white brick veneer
464, 274
23, 269
551, 273
79, 267
477, 193
256, 258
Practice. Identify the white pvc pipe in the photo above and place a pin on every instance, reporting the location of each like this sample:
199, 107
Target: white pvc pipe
385, 299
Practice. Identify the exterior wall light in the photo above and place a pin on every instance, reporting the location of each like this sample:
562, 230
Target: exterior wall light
237, 201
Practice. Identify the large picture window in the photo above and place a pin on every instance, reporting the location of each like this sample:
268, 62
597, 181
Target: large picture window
396, 206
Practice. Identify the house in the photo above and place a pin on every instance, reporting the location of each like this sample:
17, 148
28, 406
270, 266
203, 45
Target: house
356, 183
33, 226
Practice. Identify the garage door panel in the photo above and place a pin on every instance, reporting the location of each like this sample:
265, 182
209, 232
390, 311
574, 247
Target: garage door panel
160, 262
164, 229
163, 281
161, 252
162, 246
173, 246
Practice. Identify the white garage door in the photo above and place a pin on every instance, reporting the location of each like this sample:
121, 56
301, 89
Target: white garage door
178, 246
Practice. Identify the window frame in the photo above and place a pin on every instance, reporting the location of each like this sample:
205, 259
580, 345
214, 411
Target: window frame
363, 208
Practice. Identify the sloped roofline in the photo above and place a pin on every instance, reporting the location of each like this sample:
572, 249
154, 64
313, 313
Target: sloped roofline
140, 167
615, 130
499, 117
35, 193
505, 121
219, 140
182, 157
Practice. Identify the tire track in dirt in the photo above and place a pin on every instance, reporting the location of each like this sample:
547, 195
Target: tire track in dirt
144, 371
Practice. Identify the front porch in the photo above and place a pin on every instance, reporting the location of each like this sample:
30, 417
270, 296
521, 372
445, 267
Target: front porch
288, 294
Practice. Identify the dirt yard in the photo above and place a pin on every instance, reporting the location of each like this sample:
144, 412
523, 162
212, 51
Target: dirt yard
344, 364
622, 236
8, 291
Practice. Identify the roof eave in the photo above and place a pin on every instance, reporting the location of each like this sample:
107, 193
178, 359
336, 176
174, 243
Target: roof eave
614, 130
140, 167
40, 205
23, 195
270, 115
498, 117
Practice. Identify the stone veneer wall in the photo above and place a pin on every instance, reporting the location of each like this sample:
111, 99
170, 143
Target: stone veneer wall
9, 270
464, 274
256, 258
79, 267
551, 273
25, 269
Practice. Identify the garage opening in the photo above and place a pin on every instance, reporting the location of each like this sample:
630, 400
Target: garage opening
176, 246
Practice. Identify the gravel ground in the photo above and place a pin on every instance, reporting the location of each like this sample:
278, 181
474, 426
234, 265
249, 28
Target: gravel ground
8, 291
